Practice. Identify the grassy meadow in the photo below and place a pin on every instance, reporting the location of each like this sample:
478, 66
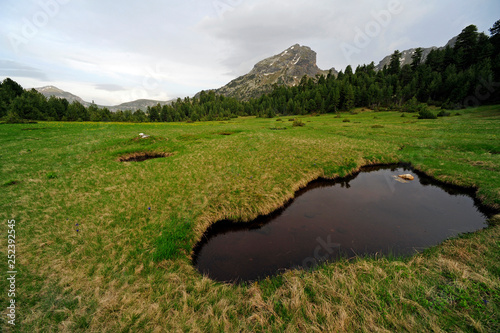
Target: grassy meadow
105, 246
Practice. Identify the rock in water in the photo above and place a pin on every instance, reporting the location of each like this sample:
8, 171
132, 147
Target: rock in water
407, 177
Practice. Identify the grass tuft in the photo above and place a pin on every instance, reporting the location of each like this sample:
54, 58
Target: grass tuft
51, 175
174, 241
10, 183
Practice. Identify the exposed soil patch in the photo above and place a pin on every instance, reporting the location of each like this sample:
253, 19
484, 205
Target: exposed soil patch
142, 156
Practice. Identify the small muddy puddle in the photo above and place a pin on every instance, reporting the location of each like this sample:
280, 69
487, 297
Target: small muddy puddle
373, 212
142, 156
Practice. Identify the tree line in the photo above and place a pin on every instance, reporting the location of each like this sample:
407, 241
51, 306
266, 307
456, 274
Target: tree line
465, 75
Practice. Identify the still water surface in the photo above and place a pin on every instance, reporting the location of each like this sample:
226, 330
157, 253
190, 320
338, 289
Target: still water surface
370, 213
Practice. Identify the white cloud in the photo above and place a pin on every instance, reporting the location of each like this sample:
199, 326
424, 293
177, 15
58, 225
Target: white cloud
258, 29
9, 68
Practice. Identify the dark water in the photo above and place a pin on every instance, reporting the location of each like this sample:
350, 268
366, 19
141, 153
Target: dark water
369, 213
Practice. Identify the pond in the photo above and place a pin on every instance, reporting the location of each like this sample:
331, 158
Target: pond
374, 212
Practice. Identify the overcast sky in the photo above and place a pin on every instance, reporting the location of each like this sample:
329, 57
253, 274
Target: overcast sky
116, 51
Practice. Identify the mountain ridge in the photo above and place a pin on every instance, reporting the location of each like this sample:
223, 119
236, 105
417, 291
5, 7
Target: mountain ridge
285, 68
48, 91
407, 54
141, 104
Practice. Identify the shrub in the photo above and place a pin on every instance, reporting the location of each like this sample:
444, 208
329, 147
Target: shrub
426, 114
451, 106
443, 113
298, 123
394, 107
413, 106
13, 118
447, 105
346, 120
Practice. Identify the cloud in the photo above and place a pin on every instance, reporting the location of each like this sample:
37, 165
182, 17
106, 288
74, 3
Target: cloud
109, 87
9, 68
255, 30
258, 29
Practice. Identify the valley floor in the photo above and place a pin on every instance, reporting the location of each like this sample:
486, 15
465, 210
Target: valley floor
105, 246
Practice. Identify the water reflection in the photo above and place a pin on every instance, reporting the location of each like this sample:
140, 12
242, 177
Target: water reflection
364, 214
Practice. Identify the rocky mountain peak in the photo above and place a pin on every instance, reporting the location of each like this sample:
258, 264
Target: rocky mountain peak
48, 91
286, 68
297, 59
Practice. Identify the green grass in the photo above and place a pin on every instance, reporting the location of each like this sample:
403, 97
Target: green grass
128, 267
174, 240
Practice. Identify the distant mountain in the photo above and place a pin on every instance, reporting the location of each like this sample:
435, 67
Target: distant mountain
407, 54
141, 104
48, 91
286, 68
